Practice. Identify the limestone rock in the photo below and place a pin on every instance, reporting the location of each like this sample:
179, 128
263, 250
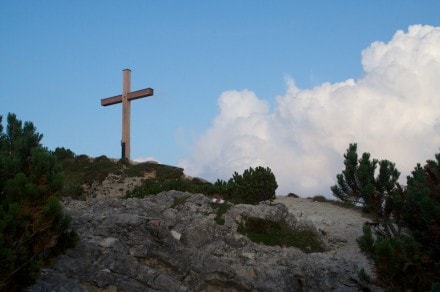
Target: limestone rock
171, 242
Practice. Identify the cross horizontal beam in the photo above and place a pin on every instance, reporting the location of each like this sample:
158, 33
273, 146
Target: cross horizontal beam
130, 96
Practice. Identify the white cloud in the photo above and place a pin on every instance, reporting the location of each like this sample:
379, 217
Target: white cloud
391, 112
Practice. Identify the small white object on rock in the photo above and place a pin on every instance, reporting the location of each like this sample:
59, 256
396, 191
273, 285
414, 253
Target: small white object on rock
108, 242
218, 201
176, 234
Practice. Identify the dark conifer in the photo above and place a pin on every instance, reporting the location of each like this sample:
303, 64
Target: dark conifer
33, 227
404, 240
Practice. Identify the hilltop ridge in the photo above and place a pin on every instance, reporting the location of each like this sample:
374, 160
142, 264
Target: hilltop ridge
182, 241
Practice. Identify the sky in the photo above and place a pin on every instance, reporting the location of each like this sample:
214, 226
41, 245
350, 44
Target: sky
281, 84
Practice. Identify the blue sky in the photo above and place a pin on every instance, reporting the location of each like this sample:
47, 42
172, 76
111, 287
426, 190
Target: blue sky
59, 58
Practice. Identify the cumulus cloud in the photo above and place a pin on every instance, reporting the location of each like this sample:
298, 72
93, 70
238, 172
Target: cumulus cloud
391, 112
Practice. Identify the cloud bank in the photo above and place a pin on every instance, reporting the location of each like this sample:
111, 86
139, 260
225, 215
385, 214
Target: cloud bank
391, 112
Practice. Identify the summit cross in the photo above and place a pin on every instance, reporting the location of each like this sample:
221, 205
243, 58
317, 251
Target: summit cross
126, 97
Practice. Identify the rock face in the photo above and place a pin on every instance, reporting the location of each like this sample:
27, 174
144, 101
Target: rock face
114, 186
171, 242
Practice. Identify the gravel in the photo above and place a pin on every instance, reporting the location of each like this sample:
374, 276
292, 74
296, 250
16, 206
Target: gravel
339, 226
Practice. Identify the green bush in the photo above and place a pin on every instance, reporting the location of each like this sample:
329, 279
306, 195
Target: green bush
293, 195
33, 227
62, 154
252, 187
319, 198
75, 191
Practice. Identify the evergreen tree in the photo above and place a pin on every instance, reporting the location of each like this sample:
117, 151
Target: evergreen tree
422, 213
360, 184
33, 227
404, 240
409, 258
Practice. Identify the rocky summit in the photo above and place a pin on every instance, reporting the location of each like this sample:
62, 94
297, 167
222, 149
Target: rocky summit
172, 242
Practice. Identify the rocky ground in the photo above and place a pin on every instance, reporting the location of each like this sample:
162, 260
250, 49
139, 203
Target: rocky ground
172, 242
339, 226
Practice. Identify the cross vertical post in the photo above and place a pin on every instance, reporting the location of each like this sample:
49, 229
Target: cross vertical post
125, 142
125, 98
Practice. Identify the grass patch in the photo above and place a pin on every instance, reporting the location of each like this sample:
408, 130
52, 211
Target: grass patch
136, 169
279, 233
74, 191
179, 201
221, 210
81, 170
319, 198
162, 171
155, 186
85, 170
345, 205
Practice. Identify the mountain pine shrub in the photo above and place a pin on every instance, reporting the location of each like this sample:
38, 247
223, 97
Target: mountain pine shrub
33, 227
404, 240
362, 183
251, 187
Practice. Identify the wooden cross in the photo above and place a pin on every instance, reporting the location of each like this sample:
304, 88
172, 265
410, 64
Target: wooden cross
126, 97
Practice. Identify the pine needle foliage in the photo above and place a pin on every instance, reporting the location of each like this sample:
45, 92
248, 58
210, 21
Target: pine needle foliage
362, 183
404, 239
253, 186
33, 227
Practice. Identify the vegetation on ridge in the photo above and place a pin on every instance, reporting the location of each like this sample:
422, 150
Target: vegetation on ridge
273, 233
251, 187
404, 239
33, 226
82, 171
